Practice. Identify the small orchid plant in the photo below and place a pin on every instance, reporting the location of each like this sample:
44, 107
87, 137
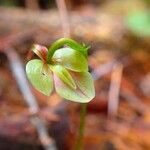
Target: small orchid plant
63, 66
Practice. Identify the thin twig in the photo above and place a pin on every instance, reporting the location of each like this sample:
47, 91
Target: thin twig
128, 95
19, 74
61, 5
113, 96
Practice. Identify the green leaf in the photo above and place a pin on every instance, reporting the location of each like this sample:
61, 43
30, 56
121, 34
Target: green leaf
84, 91
39, 76
64, 75
71, 59
68, 42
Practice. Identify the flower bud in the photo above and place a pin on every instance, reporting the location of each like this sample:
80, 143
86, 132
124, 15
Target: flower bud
40, 51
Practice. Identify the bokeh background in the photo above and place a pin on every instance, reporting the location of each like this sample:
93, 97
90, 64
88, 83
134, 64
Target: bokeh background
118, 118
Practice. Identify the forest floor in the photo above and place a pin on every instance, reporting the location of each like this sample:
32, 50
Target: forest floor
117, 59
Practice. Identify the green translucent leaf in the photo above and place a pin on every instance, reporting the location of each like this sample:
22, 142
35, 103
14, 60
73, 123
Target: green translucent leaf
68, 42
71, 59
64, 75
39, 76
85, 88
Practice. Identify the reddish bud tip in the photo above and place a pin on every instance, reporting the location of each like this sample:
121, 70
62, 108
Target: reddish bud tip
40, 51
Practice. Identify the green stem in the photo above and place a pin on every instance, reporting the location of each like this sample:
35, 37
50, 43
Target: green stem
79, 144
65, 41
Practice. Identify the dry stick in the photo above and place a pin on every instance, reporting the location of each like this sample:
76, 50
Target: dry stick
116, 69
64, 17
113, 96
18, 71
131, 98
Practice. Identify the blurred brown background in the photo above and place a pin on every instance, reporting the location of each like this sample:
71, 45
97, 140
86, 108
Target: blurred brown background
119, 34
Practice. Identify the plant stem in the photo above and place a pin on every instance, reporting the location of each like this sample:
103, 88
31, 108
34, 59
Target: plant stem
65, 41
79, 144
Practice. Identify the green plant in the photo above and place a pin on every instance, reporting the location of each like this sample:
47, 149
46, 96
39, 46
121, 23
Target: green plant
66, 69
